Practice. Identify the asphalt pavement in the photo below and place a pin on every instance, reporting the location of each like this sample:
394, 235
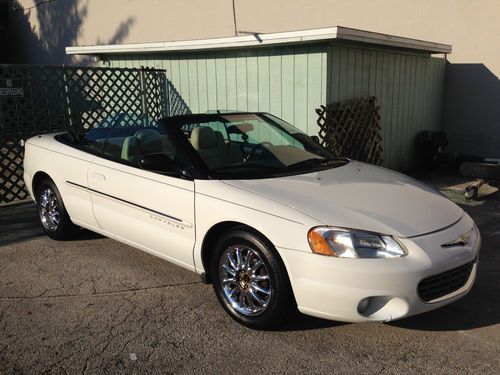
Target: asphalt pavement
94, 305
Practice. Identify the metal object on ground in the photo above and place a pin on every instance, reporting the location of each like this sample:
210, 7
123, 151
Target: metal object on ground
351, 128
471, 191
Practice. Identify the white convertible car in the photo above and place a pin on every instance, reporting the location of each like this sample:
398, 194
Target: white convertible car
263, 212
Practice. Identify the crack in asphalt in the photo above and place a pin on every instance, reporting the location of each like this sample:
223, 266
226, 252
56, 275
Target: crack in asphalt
113, 332
117, 292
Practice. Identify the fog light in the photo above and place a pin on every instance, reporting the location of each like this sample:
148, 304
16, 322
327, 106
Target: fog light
363, 305
383, 308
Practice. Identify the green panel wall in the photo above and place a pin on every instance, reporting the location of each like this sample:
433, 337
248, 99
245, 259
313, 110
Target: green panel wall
408, 87
291, 82
288, 82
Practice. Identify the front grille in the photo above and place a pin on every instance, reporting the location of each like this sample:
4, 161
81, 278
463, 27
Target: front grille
445, 283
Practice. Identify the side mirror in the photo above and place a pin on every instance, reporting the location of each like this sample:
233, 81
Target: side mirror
161, 163
315, 138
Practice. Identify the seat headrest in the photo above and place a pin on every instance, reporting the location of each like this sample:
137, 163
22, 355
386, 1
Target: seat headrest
203, 137
148, 141
220, 138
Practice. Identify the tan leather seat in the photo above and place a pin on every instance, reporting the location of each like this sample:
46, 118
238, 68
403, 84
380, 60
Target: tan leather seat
143, 142
210, 145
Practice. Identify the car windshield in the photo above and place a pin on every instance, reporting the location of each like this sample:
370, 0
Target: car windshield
222, 146
253, 145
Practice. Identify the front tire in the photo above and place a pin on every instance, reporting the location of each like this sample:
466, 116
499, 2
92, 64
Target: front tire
53, 215
250, 280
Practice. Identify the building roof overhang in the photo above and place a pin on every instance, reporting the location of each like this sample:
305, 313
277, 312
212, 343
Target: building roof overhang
337, 33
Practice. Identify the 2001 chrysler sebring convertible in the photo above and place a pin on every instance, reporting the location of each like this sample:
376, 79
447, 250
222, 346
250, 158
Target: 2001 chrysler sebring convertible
263, 212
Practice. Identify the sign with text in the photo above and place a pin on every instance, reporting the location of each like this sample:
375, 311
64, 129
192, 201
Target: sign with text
11, 87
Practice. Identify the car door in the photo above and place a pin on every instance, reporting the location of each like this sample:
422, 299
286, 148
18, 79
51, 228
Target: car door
72, 174
148, 210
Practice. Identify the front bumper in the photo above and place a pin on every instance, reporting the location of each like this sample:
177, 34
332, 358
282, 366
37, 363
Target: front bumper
357, 290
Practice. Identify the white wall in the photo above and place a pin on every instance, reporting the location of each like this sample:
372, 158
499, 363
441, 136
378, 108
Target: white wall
471, 26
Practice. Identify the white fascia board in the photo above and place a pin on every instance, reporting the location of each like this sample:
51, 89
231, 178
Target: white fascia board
290, 37
345, 33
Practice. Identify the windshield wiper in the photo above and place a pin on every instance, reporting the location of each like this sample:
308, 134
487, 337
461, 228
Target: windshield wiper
317, 162
245, 166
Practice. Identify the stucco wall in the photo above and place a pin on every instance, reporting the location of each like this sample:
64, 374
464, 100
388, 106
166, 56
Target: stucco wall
471, 115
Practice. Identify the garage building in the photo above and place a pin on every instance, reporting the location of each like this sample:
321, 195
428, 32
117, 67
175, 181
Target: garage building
290, 74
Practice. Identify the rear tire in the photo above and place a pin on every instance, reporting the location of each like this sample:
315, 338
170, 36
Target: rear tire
53, 215
250, 280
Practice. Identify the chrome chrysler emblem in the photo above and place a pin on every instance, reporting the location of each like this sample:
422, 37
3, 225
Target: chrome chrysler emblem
462, 240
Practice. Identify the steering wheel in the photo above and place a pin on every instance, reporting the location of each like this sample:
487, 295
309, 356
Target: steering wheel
257, 146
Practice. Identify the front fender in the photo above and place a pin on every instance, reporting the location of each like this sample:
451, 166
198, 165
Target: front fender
217, 202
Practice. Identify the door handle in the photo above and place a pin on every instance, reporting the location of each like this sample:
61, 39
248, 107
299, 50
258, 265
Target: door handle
98, 176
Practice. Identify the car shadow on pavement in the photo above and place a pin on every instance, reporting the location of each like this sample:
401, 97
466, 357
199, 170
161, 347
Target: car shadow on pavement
19, 222
300, 322
450, 318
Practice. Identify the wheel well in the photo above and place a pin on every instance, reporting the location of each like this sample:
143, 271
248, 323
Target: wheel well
211, 238
37, 179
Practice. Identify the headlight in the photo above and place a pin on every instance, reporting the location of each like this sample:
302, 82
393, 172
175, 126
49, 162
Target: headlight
346, 243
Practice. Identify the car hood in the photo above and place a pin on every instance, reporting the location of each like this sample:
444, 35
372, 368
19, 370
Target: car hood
362, 196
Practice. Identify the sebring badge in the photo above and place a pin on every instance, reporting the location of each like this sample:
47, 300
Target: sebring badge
462, 240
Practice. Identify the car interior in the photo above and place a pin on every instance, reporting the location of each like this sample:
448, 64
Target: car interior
218, 143
213, 148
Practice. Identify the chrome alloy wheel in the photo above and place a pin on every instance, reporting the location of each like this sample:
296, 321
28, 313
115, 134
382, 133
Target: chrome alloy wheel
245, 280
49, 210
